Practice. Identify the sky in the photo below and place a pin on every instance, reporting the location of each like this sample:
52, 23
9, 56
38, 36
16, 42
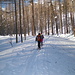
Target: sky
4, 5
56, 56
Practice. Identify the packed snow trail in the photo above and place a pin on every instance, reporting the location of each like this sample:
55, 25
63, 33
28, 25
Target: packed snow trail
57, 57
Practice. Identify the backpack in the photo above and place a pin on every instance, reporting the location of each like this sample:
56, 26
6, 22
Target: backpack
38, 38
42, 36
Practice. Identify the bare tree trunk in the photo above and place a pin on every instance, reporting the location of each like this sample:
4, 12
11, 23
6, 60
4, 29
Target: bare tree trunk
65, 10
72, 18
20, 20
27, 13
33, 26
1, 20
24, 24
45, 17
56, 17
52, 15
48, 18
61, 31
41, 19
16, 22
6, 21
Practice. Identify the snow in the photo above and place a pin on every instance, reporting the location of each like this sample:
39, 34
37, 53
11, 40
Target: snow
57, 56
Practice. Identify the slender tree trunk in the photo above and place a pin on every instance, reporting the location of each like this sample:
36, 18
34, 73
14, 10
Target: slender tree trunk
16, 22
45, 17
61, 31
56, 17
24, 24
48, 18
41, 19
56, 26
39, 16
1, 20
20, 20
72, 18
52, 14
65, 10
27, 13
33, 26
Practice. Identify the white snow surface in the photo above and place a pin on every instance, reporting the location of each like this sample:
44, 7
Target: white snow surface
56, 57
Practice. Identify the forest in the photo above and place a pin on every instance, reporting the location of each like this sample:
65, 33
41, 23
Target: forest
52, 17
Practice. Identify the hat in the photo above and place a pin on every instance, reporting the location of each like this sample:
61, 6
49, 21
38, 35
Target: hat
38, 33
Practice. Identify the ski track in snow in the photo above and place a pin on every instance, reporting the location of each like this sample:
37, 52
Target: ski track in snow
57, 57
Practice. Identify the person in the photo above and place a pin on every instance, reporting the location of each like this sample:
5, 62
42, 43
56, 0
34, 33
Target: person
42, 37
38, 39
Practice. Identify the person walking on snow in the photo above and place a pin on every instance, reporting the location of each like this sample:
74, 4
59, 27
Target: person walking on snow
42, 37
38, 39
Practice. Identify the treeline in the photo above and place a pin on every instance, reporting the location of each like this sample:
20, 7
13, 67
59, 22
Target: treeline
29, 17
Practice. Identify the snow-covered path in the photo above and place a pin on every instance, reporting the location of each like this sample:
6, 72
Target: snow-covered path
57, 57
